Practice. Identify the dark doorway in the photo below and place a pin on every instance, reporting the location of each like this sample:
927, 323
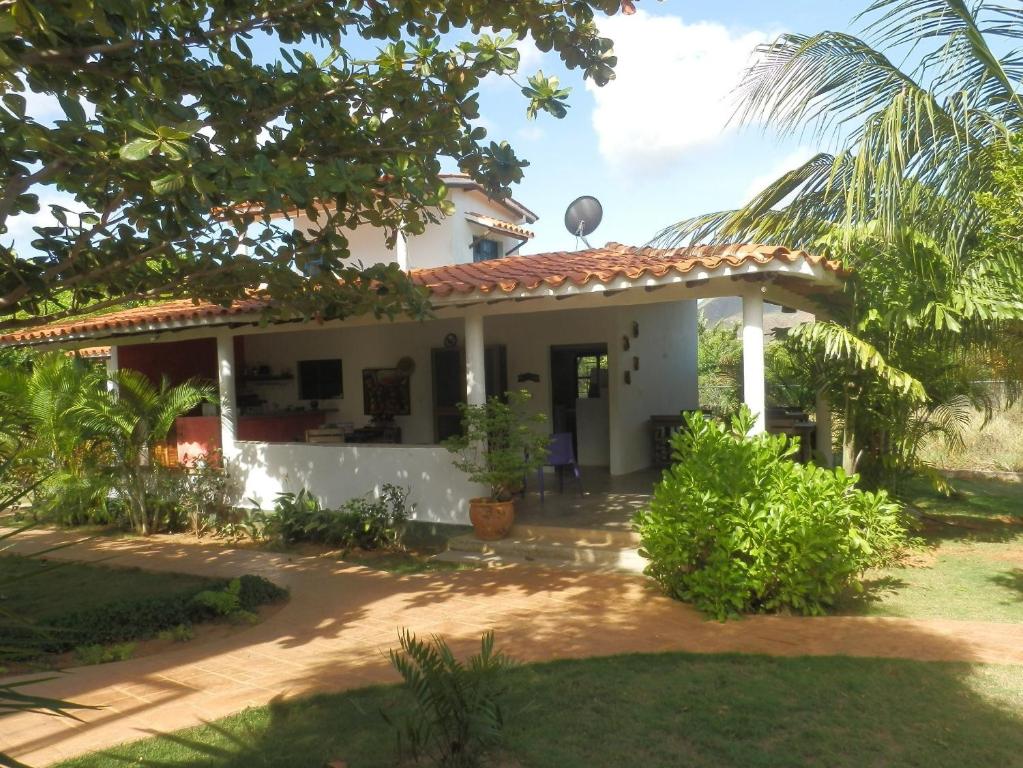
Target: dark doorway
449, 385
577, 372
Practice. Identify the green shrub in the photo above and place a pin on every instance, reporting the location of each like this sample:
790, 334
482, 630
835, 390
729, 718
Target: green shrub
736, 526
180, 633
458, 716
220, 602
368, 523
103, 654
139, 618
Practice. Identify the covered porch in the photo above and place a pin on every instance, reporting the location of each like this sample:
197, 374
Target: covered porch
604, 340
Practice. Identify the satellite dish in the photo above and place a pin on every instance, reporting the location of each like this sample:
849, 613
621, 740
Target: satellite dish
583, 216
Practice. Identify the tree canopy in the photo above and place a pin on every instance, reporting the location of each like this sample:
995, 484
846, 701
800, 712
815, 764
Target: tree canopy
187, 150
921, 110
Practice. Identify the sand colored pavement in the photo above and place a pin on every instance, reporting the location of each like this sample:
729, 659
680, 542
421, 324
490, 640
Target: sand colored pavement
341, 620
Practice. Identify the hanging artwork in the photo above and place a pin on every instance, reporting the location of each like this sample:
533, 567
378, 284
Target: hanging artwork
386, 392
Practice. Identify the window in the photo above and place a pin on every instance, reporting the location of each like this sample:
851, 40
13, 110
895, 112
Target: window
484, 249
319, 380
590, 374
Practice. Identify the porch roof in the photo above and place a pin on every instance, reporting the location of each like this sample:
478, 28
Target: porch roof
612, 267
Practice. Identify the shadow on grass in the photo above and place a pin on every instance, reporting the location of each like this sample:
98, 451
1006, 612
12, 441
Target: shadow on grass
1011, 580
978, 510
653, 710
874, 591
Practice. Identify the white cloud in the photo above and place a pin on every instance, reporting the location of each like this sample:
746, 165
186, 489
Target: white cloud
673, 89
530, 57
784, 164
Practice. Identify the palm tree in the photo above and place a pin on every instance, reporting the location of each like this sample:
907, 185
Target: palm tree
43, 445
131, 422
898, 201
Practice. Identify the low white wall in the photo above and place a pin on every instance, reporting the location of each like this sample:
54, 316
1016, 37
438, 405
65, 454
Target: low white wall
337, 473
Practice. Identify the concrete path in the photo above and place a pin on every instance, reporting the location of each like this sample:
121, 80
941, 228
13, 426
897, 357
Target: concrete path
342, 619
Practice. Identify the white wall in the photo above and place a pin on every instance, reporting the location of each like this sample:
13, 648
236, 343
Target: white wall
337, 473
377, 346
665, 383
449, 241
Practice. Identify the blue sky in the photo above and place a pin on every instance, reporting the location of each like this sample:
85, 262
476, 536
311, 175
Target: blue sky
653, 145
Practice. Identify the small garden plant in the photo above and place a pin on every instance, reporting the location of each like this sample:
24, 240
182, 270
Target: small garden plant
500, 443
366, 523
458, 716
736, 526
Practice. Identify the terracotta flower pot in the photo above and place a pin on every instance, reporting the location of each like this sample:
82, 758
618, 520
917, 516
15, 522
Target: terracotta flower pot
491, 519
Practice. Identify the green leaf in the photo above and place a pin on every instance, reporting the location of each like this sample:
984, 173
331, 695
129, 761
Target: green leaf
16, 103
172, 182
139, 149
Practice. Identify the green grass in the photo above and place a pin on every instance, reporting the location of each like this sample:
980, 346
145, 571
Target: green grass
37, 589
971, 565
655, 710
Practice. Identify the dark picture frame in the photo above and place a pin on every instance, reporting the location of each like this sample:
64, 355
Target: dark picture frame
386, 392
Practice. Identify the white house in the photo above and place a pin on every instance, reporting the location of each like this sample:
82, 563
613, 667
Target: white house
603, 339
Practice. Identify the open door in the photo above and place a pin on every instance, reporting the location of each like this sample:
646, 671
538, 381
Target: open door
448, 366
579, 400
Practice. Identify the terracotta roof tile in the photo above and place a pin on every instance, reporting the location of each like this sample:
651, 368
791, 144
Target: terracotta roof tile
506, 275
491, 223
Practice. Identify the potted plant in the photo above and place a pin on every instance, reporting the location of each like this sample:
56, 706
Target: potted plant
499, 445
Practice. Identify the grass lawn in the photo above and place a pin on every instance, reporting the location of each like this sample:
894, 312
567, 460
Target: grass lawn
38, 589
655, 710
971, 566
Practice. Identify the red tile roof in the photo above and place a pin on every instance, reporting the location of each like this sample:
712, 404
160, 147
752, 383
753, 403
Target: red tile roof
491, 223
507, 275
601, 265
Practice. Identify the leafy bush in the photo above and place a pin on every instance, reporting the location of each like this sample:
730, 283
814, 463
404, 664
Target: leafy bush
89, 655
458, 715
180, 633
220, 602
138, 618
207, 492
500, 443
736, 526
362, 522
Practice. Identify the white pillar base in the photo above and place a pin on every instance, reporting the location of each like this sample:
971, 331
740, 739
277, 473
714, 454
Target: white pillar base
825, 447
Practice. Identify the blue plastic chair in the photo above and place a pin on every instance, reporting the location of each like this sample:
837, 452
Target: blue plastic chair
560, 454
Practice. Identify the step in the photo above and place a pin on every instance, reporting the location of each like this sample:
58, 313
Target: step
548, 550
586, 537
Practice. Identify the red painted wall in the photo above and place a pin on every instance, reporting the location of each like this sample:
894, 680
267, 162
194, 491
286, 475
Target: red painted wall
177, 360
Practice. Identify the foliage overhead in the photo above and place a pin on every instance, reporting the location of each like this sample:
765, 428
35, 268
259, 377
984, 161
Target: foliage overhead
920, 111
170, 125
737, 526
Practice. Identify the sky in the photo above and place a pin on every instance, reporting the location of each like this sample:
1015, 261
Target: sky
655, 145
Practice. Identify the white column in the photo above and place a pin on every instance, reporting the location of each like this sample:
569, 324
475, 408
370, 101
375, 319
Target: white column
228, 400
753, 358
475, 360
824, 437
688, 345
112, 368
401, 251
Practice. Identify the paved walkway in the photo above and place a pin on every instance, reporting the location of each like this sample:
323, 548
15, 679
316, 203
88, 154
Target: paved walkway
335, 632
